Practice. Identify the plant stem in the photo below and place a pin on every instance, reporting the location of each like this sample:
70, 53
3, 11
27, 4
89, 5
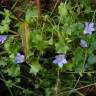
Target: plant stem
57, 82
5, 84
38, 4
14, 5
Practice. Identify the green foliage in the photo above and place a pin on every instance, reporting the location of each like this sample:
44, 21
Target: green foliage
63, 10
27, 92
91, 60
13, 71
35, 67
10, 46
31, 16
3, 62
59, 34
61, 48
37, 40
9, 83
4, 26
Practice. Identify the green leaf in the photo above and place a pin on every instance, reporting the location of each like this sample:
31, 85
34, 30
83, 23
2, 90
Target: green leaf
50, 41
68, 66
91, 59
94, 44
63, 9
76, 28
30, 16
61, 48
48, 91
35, 68
10, 46
5, 23
3, 63
9, 83
78, 55
13, 71
27, 92
79, 67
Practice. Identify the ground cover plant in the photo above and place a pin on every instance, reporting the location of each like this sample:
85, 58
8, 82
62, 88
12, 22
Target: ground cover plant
47, 50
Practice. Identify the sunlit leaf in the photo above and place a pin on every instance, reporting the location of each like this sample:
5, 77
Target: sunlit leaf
13, 71
35, 68
3, 63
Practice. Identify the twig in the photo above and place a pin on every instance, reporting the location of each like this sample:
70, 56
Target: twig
57, 83
7, 86
83, 87
79, 93
90, 72
93, 15
77, 81
12, 16
14, 4
55, 7
38, 5
13, 32
13, 84
3, 52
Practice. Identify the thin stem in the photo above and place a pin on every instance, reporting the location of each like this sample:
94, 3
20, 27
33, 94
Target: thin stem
85, 57
55, 7
7, 86
38, 4
14, 4
13, 32
93, 15
84, 87
57, 83
79, 93
77, 89
3, 52
12, 16
13, 84
91, 72
65, 2
77, 81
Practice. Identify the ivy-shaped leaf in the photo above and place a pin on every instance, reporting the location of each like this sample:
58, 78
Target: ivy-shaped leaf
35, 68
61, 48
13, 71
30, 16
91, 60
3, 63
4, 26
63, 9
9, 83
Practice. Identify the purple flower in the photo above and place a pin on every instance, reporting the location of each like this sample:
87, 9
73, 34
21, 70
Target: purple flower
83, 44
89, 28
60, 60
2, 38
19, 58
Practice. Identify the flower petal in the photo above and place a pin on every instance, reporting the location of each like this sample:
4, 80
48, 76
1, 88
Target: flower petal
60, 60
2, 38
91, 24
83, 44
89, 28
19, 58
